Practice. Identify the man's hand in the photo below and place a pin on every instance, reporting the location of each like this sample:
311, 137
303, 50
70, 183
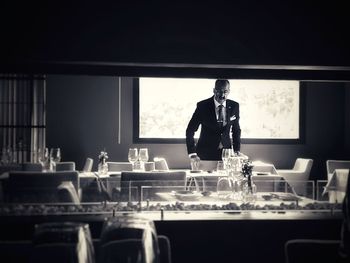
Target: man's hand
194, 157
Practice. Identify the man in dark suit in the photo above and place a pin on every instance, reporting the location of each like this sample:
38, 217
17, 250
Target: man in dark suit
218, 117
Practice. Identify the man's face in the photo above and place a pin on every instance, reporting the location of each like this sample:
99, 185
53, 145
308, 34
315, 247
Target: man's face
221, 93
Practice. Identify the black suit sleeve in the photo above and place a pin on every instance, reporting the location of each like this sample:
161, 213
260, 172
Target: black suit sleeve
192, 127
236, 131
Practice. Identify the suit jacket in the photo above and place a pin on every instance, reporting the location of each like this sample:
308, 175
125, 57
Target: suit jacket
211, 133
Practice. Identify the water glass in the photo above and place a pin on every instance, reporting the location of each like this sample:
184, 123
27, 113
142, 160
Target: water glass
133, 156
195, 162
143, 157
226, 154
220, 167
224, 187
55, 156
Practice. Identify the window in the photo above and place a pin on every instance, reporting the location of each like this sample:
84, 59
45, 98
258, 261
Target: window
22, 121
270, 110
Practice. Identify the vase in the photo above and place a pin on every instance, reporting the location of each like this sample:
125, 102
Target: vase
102, 168
249, 190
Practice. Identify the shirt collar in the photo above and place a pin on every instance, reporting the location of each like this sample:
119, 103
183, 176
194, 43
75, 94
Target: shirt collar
217, 103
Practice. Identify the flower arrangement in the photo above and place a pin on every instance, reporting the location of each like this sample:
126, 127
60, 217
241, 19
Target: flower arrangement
247, 168
102, 165
103, 157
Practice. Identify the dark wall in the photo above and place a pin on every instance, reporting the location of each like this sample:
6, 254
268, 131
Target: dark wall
347, 121
82, 118
229, 32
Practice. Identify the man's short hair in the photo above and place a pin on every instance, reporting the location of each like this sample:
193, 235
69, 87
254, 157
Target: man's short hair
221, 83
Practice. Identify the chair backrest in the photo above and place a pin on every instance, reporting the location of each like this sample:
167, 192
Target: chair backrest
37, 167
336, 164
129, 237
119, 166
303, 165
15, 251
35, 187
162, 181
63, 242
65, 166
88, 165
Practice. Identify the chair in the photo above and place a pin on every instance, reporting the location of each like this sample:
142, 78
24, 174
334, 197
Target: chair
63, 242
132, 239
88, 165
336, 164
18, 251
38, 187
298, 176
65, 166
143, 185
35, 167
318, 250
311, 250
119, 166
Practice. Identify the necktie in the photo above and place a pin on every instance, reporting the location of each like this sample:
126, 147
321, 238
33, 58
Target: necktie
221, 116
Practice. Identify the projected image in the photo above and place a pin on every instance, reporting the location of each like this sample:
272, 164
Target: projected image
269, 109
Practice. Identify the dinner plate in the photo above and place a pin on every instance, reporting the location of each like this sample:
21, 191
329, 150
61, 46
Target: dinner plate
187, 195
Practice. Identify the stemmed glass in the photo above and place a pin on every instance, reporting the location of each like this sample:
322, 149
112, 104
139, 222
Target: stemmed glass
133, 156
143, 157
55, 156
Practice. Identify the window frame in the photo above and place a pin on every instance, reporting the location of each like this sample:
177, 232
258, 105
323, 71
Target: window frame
138, 140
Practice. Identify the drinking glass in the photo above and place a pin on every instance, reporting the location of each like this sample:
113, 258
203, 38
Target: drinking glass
55, 156
220, 168
143, 157
43, 158
226, 154
224, 187
133, 156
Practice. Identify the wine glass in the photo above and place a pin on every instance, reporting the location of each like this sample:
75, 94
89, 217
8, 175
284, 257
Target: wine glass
224, 187
133, 156
43, 158
55, 156
143, 156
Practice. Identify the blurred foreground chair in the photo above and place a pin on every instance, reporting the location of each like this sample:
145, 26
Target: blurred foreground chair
323, 251
38, 187
298, 176
132, 239
63, 242
88, 165
65, 166
16, 251
138, 186
119, 166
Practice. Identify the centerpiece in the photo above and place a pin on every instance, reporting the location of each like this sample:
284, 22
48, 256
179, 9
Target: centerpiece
249, 188
102, 163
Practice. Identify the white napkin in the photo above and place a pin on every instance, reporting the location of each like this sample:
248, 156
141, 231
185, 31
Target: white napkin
336, 186
160, 163
69, 193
